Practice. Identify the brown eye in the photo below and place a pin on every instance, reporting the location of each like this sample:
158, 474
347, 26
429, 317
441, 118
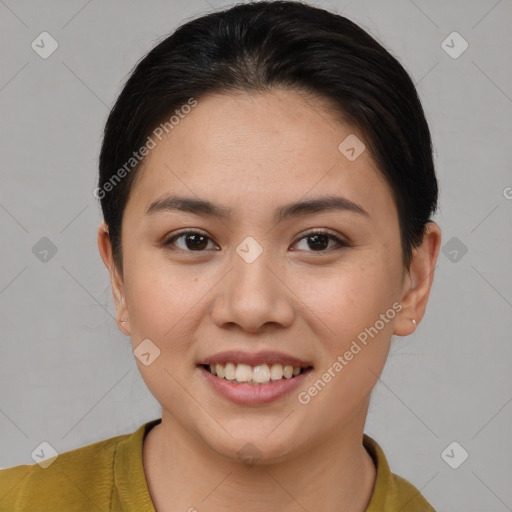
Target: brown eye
321, 241
196, 242
318, 242
190, 241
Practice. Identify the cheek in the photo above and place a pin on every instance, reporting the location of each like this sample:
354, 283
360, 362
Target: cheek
350, 302
352, 296
160, 297
162, 307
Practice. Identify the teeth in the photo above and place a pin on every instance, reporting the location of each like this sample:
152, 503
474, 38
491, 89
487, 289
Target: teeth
230, 371
261, 374
276, 372
243, 373
219, 370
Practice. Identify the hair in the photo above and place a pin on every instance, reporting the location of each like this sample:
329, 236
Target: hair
254, 48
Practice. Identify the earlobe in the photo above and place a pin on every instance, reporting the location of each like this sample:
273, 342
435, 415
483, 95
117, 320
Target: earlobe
124, 326
116, 280
418, 281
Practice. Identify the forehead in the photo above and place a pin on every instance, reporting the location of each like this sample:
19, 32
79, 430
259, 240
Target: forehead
265, 147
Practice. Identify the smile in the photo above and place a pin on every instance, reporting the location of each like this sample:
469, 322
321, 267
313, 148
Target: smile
254, 375
253, 379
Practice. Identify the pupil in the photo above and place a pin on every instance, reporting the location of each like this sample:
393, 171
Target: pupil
319, 241
195, 241
316, 242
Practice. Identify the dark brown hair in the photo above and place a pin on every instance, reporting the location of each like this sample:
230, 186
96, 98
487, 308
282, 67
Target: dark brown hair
257, 46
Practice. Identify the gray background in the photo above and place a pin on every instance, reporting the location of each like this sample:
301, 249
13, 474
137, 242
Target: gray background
68, 376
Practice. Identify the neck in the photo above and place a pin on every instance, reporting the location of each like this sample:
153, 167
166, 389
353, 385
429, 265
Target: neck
183, 473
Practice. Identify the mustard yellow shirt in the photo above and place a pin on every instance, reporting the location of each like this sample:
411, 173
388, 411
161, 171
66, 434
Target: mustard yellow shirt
109, 476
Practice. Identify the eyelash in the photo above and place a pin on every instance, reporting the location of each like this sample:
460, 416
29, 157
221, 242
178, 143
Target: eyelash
341, 244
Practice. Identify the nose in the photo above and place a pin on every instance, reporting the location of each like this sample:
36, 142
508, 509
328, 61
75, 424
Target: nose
253, 295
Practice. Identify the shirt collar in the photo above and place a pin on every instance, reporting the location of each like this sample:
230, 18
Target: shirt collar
129, 473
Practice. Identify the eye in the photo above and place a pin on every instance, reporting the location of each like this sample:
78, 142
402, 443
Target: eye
319, 241
190, 241
195, 241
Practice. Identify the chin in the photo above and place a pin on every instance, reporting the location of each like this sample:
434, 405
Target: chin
251, 445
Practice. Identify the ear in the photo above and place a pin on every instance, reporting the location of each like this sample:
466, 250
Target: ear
418, 281
116, 279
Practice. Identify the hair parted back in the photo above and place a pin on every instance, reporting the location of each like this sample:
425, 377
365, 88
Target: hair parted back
256, 47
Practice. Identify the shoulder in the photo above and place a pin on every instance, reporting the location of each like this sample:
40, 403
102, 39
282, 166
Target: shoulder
392, 492
80, 479
407, 496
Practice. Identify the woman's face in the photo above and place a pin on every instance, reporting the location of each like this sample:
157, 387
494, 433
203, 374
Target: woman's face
253, 285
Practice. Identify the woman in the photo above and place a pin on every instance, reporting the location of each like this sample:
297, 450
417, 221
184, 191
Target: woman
267, 186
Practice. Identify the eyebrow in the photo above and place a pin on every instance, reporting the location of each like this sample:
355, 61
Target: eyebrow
301, 208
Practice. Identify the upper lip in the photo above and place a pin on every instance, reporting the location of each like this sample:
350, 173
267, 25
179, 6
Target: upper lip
254, 359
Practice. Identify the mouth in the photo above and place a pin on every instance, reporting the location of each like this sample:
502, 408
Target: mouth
254, 379
255, 375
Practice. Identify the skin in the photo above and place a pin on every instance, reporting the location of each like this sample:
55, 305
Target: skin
253, 154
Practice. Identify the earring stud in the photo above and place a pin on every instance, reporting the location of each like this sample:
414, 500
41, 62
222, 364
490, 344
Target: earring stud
413, 321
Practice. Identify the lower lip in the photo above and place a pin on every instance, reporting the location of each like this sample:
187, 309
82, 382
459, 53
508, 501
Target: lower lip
248, 394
